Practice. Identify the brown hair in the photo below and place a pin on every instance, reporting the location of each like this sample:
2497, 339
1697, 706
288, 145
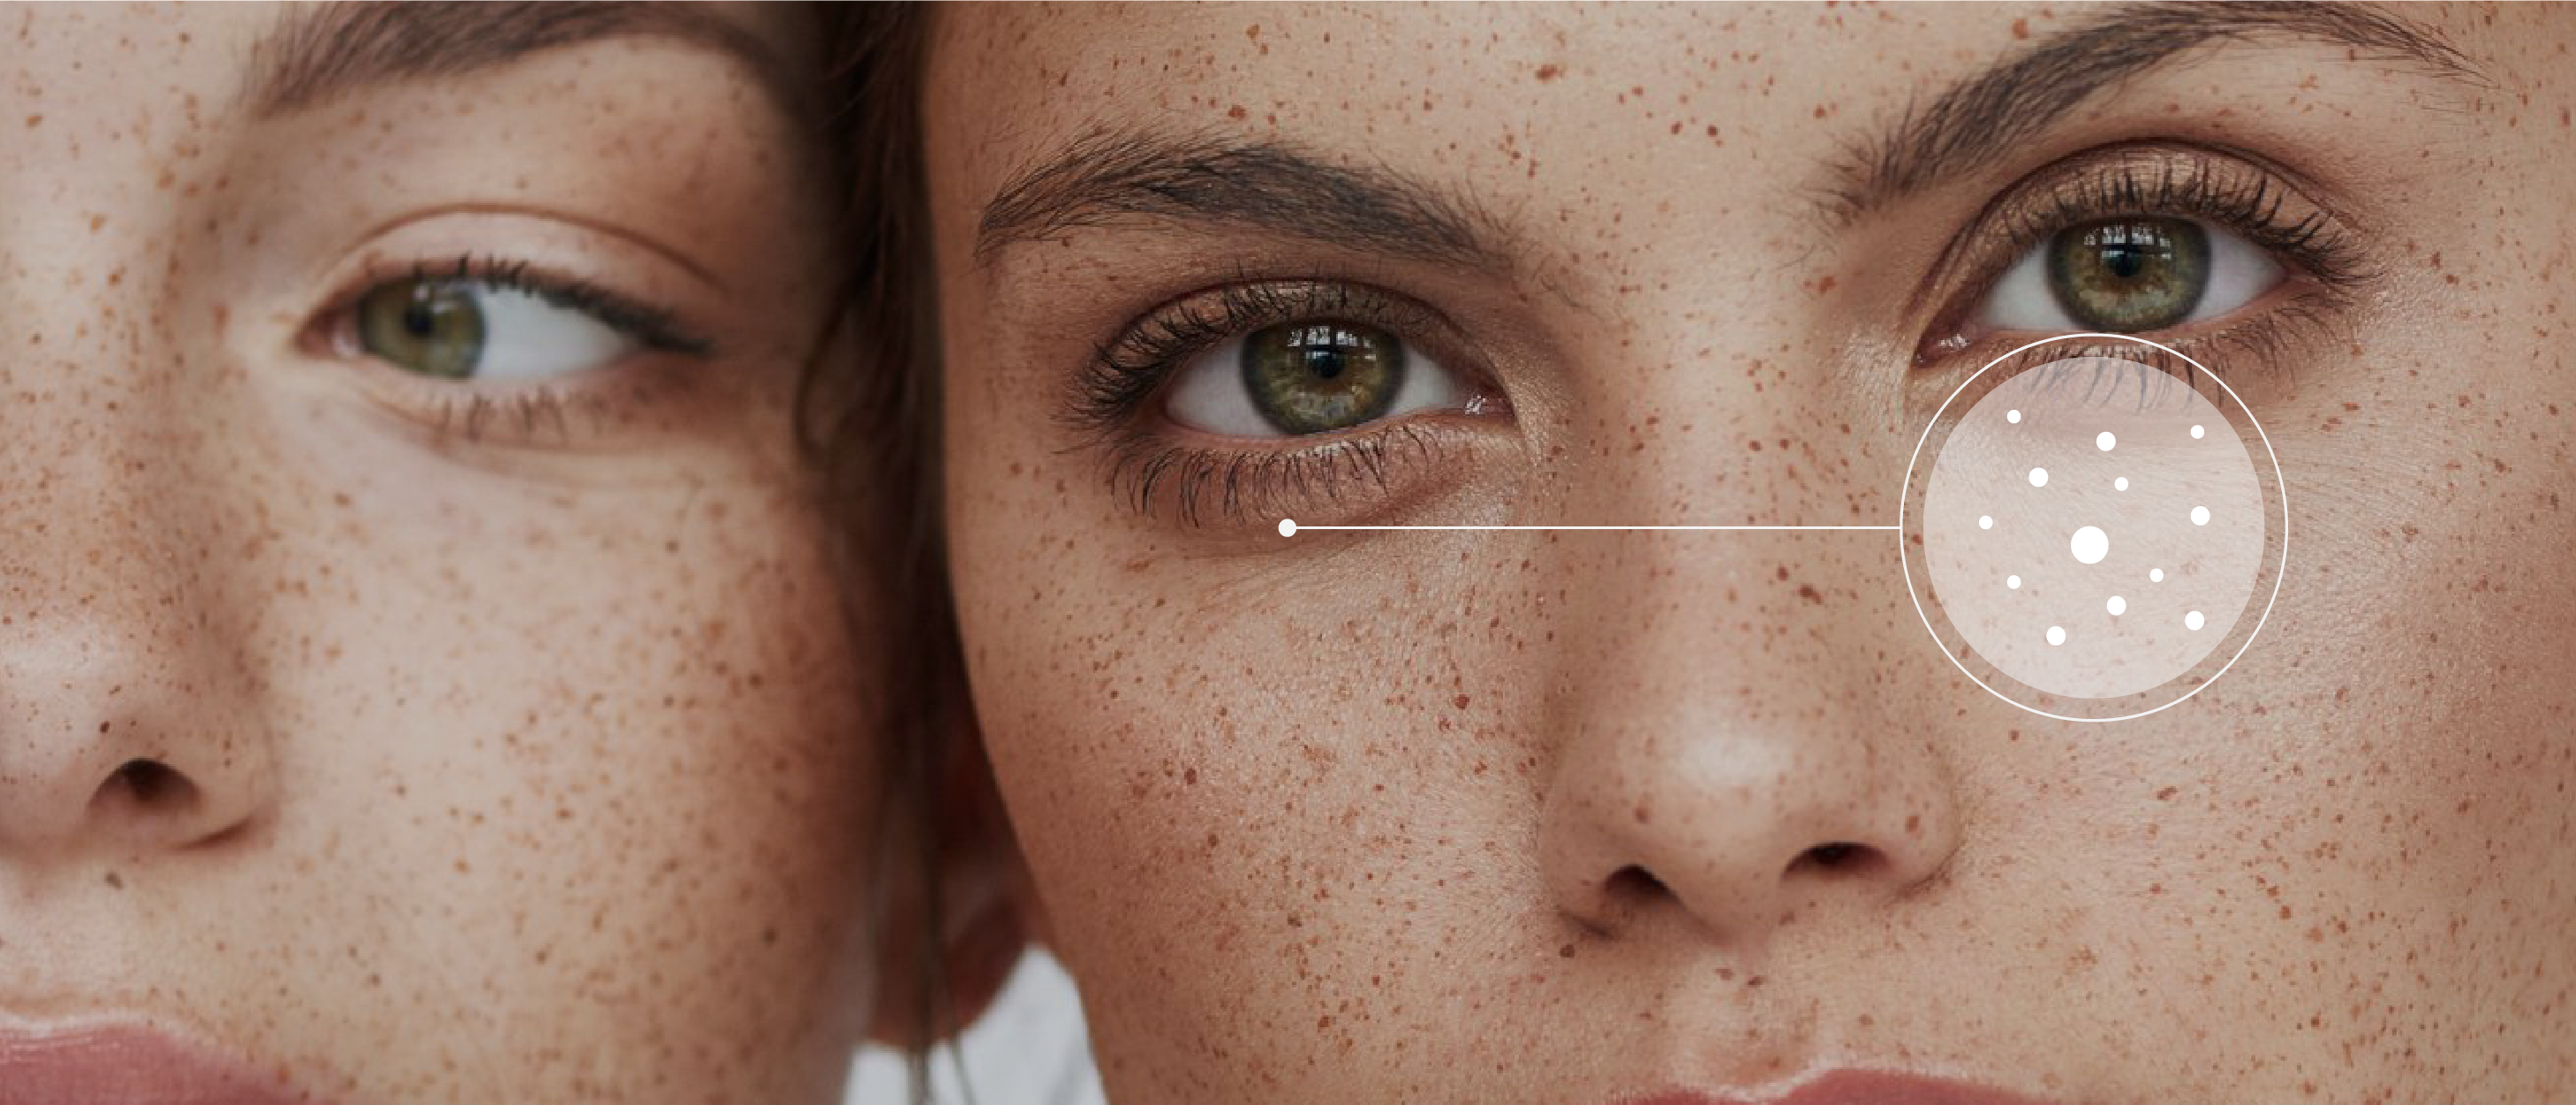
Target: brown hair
876, 434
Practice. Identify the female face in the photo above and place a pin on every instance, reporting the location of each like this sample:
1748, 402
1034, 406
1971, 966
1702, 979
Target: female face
419, 676
1526, 816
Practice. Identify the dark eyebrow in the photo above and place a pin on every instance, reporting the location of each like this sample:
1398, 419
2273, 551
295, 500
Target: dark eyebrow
1115, 176
1981, 116
322, 51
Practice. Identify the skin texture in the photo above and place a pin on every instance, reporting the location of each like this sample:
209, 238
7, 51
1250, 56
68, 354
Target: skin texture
1531, 817
510, 759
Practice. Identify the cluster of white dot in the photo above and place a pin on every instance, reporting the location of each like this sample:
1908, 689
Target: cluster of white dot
2089, 544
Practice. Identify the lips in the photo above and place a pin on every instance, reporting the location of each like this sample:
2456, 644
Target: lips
126, 1065
1851, 1087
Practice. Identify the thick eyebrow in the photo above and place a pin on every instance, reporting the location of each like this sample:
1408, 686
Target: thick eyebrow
1112, 177
322, 51
1981, 116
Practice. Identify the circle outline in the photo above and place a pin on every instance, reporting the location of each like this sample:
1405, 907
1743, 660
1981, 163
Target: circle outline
1906, 490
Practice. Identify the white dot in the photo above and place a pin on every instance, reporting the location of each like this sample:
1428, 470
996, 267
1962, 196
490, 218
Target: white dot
2039, 477
2196, 432
2012, 416
2013, 582
2105, 441
2193, 621
2200, 516
2117, 606
2057, 634
2090, 545
2155, 575
1985, 521
2121, 484
1287, 527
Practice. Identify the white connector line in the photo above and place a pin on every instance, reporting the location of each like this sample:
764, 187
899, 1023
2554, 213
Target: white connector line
1288, 527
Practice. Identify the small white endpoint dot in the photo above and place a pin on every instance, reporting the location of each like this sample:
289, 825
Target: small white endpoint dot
2057, 634
2155, 575
2013, 582
2120, 484
2105, 441
1287, 527
1985, 521
2039, 477
2200, 516
2012, 416
2193, 621
2117, 606
2196, 433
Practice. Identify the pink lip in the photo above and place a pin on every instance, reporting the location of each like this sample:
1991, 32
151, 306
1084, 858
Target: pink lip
1852, 1087
125, 1065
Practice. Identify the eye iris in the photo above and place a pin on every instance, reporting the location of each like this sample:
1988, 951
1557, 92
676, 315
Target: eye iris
434, 328
1317, 377
2129, 274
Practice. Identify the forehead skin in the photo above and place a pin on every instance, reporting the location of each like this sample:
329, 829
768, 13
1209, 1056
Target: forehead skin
1336, 821
527, 764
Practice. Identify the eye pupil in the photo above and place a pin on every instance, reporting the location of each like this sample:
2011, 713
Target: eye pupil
1318, 377
2132, 274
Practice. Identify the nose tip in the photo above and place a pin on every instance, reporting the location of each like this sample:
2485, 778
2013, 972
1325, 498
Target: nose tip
1736, 838
58, 797
108, 744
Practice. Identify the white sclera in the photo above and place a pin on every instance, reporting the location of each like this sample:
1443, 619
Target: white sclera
2057, 634
2200, 516
2013, 582
2155, 575
2193, 621
2105, 442
2121, 484
2039, 477
2090, 545
2117, 606
1985, 521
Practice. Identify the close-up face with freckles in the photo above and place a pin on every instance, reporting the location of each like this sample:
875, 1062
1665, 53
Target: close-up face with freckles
1499, 810
423, 672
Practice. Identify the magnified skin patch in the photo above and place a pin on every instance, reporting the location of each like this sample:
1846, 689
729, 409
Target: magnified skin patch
2091, 531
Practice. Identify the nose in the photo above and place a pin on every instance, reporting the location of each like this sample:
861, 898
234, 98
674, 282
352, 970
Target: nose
1727, 765
108, 742
126, 696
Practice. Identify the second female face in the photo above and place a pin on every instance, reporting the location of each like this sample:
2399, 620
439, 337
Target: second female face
422, 673
1514, 816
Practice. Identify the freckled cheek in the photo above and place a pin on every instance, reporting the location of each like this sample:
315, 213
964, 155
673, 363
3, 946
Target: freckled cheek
584, 755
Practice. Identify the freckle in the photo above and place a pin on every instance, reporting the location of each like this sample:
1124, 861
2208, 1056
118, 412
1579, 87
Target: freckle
1236, 112
1784, 573
1460, 702
1825, 285
1755, 445
2021, 28
1550, 71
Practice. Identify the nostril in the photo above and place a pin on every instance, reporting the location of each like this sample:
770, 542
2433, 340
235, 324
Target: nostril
1840, 856
1634, 884
147, 786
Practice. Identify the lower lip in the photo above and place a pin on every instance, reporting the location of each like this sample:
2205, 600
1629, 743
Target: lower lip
1863, 1088
125, 1066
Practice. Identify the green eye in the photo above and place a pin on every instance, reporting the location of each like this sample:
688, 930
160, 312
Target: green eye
2128, 275
1318, 377
431, 327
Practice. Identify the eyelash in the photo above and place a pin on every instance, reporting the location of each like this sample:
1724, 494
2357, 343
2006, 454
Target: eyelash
1146, 461
470, 412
